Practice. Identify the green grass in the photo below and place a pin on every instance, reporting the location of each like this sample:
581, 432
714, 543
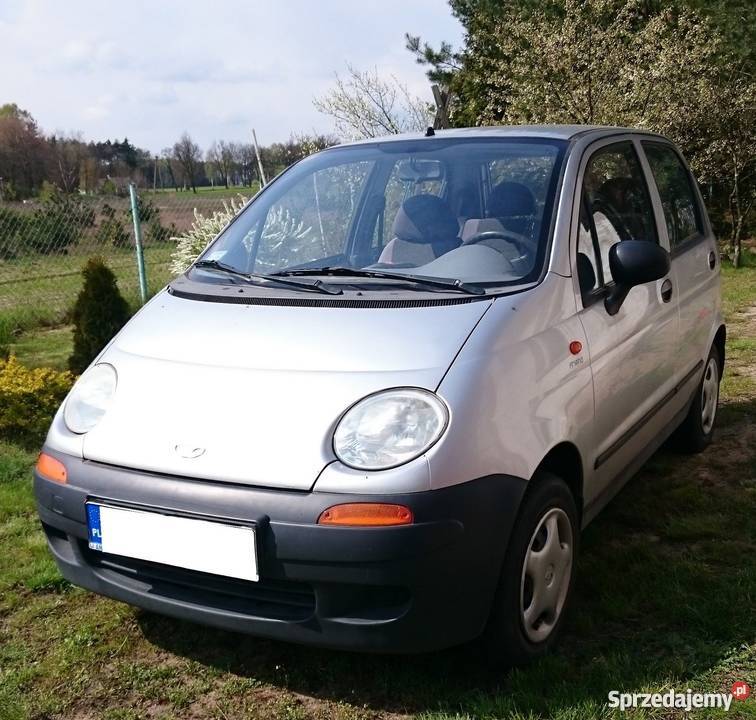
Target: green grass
217, 191
665, 598
41, 291
44, 347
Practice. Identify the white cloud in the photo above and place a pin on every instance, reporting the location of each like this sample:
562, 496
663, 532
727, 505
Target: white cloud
213, 69
101, 108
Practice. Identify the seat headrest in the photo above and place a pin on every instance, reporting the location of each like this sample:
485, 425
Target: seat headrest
425, 219
511, 199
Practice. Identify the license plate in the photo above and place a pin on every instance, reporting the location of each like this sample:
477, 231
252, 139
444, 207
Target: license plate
191, 543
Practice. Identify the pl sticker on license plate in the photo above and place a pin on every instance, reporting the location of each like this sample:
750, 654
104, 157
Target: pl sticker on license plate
95, 526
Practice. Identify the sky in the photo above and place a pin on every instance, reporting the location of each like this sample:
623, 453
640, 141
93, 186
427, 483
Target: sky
216, 68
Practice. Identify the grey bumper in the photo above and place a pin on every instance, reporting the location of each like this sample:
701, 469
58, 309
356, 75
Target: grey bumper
398, 589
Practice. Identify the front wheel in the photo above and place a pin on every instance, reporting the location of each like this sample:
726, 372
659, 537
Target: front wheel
537, 576
697, 430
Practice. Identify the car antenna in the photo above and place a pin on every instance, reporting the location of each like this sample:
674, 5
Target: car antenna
430, 132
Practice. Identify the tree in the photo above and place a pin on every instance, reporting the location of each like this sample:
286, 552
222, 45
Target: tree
245, 159
221, 157
465, 73
225, 160
726, 159
641, 63
99, 313
212, 162
68, 159
23, 153
613, 63
204, 229
364, 105
188, 155
278, 156
167, 157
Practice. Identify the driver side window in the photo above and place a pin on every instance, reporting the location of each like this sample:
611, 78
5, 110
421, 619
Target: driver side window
615, 206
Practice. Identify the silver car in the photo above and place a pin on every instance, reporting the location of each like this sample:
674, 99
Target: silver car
379, 408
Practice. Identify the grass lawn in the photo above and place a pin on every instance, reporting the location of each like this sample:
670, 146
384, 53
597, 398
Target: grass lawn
216, 191
41, 290
666, 597
38, 290
45, 347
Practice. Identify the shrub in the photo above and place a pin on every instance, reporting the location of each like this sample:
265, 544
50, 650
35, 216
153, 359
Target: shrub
108, 188
16, 230
6, 337
48, 191
111, 230
157, 233
99, 313
148, 211
58, 224
203, 230
29, 399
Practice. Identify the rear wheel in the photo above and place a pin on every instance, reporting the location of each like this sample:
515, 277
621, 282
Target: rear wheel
697, 430
537, 575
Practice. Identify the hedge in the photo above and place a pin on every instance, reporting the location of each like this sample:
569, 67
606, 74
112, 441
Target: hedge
29, 398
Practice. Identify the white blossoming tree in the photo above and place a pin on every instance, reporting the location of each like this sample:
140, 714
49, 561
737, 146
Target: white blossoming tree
203, 231
365, 105
279, 241
612, 62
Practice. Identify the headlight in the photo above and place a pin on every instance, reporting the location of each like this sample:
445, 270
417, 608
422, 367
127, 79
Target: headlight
389, 428
90, 398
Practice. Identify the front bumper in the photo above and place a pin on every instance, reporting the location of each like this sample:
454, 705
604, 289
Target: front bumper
412, 588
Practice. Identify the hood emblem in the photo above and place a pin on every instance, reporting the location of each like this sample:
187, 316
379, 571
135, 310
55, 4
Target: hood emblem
188, 451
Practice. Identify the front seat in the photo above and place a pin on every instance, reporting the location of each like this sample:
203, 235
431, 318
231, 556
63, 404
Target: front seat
511, 207
514, 206
424, 228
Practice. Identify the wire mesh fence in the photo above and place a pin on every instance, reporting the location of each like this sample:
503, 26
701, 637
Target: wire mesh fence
45, 243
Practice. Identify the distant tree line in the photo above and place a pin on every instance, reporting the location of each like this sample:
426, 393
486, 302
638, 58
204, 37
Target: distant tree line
33, 164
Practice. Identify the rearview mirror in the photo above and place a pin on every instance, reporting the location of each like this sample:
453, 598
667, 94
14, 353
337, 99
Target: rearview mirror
634, 262
417, 171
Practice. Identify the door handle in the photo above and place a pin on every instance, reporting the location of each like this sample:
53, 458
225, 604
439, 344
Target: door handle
712, 260
666, 290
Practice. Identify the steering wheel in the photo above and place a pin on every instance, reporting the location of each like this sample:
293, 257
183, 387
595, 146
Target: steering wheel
525, 245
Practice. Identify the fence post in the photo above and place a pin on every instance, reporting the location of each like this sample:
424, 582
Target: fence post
138, 242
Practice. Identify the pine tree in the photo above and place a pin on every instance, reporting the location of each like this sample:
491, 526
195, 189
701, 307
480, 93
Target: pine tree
99, 313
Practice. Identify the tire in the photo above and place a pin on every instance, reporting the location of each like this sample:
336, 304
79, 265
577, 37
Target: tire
515, 634
696, 431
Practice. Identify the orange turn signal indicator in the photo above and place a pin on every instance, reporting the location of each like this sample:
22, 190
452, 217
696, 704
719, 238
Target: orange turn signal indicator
366, 515
50, 468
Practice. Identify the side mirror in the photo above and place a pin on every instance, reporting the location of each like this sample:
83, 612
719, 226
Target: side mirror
634, 262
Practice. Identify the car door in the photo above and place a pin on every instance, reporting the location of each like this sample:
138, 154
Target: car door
695, 260
632, 353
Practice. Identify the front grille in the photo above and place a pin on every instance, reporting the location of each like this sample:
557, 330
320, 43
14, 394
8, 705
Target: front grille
273, 599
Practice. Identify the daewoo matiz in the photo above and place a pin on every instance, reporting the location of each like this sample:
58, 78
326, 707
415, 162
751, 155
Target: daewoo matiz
378, 410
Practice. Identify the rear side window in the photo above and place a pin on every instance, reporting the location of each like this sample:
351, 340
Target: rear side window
681, 213
615, 206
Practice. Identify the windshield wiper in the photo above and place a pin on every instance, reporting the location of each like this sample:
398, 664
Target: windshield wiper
316, 286
382, 274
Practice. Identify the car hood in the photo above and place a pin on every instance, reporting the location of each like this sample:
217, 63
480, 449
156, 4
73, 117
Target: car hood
252, 393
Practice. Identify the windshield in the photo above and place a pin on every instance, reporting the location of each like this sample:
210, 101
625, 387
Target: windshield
477, 211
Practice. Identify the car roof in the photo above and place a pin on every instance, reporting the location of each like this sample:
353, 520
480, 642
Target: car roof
559, 132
